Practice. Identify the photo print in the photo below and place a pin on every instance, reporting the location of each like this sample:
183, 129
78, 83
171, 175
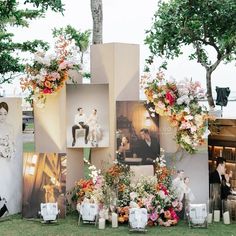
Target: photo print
87, 115
44, 180
137, 133
10, 155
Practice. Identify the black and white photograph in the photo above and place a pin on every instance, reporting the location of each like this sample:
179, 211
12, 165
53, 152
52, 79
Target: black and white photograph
87, 116
137, 133
10, 156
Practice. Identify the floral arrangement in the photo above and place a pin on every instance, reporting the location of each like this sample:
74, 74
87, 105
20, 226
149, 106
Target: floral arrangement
112, 190
178, 101
155, 193
48, 72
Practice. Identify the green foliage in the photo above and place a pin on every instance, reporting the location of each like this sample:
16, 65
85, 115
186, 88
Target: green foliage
81, 39
12, 14
197, 23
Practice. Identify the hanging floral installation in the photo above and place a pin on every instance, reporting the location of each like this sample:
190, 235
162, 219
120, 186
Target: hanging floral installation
48, 73
179, 102
114, 191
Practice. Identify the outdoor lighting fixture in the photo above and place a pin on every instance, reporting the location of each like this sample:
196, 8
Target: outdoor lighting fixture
88, 213
138, 219
49, 212
197, 215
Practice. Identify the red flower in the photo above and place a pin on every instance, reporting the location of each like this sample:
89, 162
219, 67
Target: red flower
170, 98
47, 91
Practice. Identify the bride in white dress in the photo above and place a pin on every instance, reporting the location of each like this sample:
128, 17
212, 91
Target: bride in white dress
7, 152
6, 134
94, 128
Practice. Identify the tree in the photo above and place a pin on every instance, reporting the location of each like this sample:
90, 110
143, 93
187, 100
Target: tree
202, 24
17, 14
97, 15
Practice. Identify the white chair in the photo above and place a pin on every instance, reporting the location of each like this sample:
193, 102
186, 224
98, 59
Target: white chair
138, 219
49, 212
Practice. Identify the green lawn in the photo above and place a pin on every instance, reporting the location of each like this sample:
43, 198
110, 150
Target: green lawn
68, 227
28, 147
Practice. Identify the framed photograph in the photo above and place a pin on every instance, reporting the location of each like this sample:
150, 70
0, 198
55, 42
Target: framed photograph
137, 133
10, 155
44, 180
87, 115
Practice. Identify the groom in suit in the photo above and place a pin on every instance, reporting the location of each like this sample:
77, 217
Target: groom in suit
220, 177
149, 147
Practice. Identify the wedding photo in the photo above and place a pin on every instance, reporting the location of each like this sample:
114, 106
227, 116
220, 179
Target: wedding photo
137, 133
44, 181
87, 116
10, 154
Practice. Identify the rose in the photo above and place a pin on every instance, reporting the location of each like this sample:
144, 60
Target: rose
170, 98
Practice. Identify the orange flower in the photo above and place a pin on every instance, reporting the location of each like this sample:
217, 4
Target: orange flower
47, 84
167, 214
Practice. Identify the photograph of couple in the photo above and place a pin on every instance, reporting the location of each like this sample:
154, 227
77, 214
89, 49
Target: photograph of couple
137, 134
87, 116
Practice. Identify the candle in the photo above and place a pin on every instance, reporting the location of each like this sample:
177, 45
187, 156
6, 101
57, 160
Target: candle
106, 214
217, 215
101, 223
209, 218
114, 220
226, 218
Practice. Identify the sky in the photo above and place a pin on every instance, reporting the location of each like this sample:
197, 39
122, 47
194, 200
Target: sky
124, 21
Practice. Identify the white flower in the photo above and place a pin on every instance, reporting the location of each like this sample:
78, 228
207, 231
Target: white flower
187, 139
188, 117
186, 109
161, 194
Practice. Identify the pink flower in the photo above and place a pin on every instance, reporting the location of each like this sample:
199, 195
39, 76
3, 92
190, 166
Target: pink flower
170, 98
153, 216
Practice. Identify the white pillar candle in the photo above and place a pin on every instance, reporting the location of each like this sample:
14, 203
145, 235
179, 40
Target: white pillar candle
209, 218
101, 223
217, 215
226, 218
114, 220
106, 214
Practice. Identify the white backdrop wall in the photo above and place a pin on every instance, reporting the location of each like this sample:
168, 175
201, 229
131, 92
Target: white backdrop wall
11, 166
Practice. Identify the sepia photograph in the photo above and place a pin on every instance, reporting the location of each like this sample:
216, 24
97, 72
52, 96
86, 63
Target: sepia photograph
137, 133
44, 181
87, 115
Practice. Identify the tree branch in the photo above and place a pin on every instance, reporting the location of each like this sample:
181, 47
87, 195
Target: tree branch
217, 62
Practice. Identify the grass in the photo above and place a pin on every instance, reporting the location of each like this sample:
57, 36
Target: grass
16, 226
28, 147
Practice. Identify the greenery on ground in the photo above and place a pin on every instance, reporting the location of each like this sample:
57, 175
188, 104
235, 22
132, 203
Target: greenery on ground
28, 147
16, 226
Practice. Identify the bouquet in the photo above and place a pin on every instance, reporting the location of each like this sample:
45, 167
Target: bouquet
179, 102
48, 72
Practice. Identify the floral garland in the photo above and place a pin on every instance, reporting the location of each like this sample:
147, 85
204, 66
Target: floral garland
178, 101
112, 190
48, 73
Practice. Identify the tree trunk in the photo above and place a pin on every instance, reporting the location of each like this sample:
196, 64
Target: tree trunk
209, 89
96, 9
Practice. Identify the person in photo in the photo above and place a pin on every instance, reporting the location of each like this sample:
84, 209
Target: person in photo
80, 122
149, 147
94, 128
7, 146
